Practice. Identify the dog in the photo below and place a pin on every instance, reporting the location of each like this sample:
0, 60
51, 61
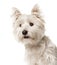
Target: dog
30, 30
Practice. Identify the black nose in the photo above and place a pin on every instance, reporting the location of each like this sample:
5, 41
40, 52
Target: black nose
24, 32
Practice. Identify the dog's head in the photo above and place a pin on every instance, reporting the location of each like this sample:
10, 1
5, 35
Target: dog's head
29, 29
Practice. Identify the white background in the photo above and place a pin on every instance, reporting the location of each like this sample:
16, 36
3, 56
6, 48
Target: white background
12, 52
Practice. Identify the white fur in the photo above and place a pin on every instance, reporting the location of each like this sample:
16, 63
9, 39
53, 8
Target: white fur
39, 48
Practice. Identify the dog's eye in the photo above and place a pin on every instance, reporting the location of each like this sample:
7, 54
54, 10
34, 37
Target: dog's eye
20, 25
31, 24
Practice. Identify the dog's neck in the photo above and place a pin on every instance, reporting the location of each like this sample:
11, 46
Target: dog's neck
39, 48
30, 46
37, 45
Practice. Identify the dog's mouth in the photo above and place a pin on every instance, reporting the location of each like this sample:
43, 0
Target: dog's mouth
26, 37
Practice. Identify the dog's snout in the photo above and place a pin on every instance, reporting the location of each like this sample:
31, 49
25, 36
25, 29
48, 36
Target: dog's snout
24, 32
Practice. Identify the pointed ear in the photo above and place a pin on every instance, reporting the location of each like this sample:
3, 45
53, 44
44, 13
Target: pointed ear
35, 11
16, 13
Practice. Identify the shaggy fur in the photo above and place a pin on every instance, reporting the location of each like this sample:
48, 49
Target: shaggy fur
39, 48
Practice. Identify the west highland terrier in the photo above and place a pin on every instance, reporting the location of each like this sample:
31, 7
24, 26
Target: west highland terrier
30, 30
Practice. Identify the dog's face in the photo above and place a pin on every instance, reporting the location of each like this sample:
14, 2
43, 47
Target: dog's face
29, 29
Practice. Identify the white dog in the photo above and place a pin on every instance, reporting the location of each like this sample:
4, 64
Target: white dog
30, 30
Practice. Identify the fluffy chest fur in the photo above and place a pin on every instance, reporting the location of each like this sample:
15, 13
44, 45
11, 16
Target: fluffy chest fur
42, 54
34, 53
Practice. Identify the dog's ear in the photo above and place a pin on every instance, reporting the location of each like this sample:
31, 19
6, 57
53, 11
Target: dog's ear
35, 11
16, 13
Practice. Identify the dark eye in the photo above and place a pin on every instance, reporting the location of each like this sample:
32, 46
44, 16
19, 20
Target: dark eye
31, 24
20, 25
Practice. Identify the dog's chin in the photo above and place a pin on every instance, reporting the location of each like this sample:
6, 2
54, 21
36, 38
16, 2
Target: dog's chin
27, 40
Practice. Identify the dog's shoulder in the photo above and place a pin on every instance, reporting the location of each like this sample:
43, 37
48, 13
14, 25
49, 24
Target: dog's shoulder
50, 51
